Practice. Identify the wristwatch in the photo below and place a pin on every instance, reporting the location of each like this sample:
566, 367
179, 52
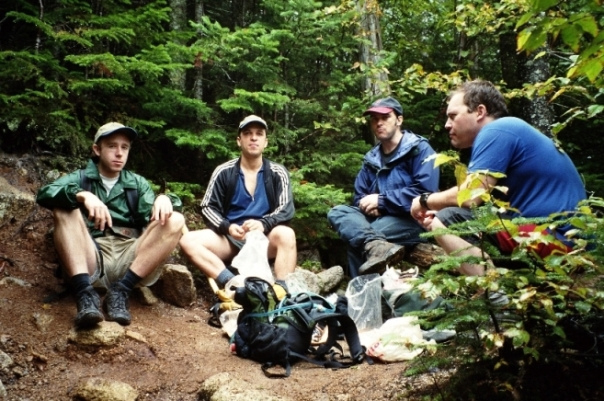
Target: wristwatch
423, 199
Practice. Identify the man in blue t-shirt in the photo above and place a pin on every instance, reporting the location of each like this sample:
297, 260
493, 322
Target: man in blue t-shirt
506, 151
245, 194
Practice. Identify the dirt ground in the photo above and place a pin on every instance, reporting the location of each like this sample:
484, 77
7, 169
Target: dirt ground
181, 349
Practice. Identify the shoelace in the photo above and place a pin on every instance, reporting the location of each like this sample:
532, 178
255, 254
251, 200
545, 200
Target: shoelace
118, 297
86, 301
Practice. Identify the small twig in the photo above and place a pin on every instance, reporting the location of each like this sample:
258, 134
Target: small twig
9, 260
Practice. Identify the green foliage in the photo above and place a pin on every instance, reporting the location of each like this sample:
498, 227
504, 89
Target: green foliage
312, 204
187, 192
577, 24
550, 299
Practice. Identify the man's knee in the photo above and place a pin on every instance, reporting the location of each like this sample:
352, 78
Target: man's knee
453, 215
198, 239
283, 235
177, 221
337, 212
66, 216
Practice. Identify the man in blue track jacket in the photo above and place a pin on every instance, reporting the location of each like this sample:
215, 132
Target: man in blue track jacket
245, 194
378, 226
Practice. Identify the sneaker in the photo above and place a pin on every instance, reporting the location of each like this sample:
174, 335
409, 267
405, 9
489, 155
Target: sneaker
380, 254
116, 304
89, 308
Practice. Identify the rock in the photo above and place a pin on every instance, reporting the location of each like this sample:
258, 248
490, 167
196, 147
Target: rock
322, 283
302, 280
136, 336
15, 281
224, 387
99, 389
5, 361
146, 296
105, 334
329, 279
176, 286
42, 321
15, 206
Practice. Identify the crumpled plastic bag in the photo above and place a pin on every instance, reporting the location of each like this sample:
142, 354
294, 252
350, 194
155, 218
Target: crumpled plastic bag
252, 259
364, 294
398, 339
228, 320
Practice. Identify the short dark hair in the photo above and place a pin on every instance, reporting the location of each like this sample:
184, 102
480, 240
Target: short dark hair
479, 92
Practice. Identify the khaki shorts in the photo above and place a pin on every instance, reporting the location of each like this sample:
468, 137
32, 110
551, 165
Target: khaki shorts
118, 254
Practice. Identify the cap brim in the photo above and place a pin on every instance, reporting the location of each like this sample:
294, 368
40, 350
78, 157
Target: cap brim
253, 122
379, 110
130, 132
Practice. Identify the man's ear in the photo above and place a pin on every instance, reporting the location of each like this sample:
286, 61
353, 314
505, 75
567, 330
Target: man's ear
481, 111
96, 149
399, 120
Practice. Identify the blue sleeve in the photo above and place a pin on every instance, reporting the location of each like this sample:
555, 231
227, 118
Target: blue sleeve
365, 184
417, 176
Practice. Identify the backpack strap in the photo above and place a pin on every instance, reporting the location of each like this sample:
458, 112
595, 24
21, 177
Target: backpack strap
131, 194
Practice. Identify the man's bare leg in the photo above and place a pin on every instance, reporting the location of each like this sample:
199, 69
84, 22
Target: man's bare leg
156, 244
282, 247
153, 248
207, 251
455, 245
76, 251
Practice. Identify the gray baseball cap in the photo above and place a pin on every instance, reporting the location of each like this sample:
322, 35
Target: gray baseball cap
113, 127
252, 119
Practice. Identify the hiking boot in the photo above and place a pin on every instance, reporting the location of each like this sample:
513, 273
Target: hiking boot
379, 254
89, 308
116, 304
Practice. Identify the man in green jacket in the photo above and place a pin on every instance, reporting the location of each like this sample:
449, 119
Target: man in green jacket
101, 239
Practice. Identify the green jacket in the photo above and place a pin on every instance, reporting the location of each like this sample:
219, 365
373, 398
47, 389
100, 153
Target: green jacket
62, 194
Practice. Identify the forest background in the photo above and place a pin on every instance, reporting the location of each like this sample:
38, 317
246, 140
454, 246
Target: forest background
185, 72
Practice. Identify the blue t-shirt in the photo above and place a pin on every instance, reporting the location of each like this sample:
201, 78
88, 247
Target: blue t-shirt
244, 206
541, 179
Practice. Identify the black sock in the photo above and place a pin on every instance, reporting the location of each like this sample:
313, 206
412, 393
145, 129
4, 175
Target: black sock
80, 282
282, 284
130, 280
224, 277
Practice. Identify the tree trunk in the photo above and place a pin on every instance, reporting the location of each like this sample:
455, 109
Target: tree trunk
198, 70
178, 22
519, 68
375, 83
538, 112
369, 53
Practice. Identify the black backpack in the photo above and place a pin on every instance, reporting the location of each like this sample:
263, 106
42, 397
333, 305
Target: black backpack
277, 332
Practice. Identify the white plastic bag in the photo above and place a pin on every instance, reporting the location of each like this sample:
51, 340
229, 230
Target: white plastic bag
364, 295
399, 339
228, 320
252, 259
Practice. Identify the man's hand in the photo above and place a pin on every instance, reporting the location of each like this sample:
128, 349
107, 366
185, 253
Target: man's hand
416, 209
253, 225
97, 210
238, 231
369, 205
162, 209
426, 218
